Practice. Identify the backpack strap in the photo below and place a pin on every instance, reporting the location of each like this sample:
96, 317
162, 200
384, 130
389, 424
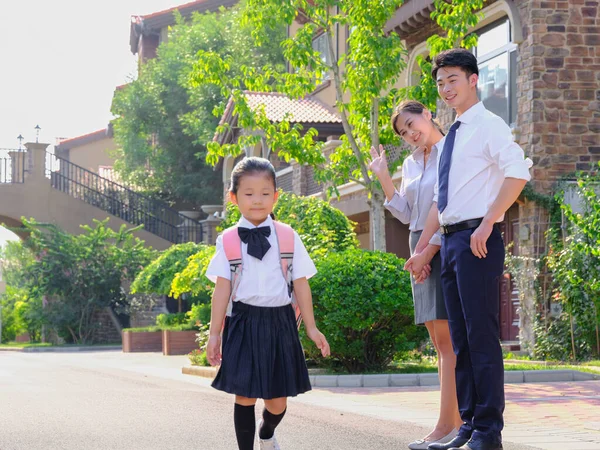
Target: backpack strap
232, 245
286, 240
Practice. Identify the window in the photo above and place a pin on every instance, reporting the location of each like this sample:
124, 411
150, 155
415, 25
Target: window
497, 59
319, 44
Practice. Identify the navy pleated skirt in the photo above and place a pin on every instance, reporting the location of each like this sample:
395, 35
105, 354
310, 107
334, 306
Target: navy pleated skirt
262, 356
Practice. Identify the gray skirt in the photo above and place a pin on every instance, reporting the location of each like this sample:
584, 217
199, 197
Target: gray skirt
427, 296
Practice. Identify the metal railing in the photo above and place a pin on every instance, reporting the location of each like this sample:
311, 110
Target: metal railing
12, 166
122, 202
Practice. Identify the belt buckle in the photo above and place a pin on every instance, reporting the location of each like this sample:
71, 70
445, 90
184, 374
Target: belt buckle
444, 229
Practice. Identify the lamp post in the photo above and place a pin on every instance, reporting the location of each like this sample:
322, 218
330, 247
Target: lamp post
20, 139
37, 133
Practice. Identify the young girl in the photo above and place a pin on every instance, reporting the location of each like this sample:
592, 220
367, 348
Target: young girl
411, 205
261, 355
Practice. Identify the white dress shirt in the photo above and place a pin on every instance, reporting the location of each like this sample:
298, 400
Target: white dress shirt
484, 155
262, 282
411, 204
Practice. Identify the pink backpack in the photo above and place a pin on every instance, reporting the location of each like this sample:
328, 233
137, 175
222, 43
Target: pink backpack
233, 251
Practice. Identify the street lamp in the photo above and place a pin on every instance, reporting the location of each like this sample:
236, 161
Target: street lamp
20, 138
37, 133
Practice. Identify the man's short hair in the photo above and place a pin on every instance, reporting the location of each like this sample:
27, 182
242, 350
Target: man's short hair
456, 57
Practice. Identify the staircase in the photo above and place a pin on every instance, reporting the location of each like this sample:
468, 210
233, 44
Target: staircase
120, 201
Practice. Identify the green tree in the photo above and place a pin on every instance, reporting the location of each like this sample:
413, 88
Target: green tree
163, 123
455, 18
21, 309
576, 265
363, 77
158, 276
80, 275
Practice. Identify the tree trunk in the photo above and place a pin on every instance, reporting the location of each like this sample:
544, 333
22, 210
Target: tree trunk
377, 221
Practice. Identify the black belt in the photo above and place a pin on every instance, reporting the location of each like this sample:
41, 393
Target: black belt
461, 226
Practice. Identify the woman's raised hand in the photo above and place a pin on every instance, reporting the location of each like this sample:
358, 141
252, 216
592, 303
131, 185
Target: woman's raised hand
378, 164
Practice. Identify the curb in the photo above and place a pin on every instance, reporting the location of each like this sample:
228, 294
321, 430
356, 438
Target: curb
61, 349
420, 379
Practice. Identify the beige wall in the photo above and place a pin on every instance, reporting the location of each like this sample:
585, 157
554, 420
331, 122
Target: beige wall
93, 155
36, 198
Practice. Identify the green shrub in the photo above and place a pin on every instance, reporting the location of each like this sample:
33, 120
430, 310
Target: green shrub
169, 320
198, 358
199, 314
553, 340
363, 305
156, 278
148, 329
321, 227
192, 278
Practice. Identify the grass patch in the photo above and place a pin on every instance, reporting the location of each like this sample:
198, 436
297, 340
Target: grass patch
25, 344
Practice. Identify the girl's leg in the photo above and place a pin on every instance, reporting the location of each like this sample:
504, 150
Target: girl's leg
438, 432
272, 415
245, 422
449, 416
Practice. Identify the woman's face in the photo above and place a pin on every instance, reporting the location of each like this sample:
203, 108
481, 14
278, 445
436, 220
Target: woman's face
415, 129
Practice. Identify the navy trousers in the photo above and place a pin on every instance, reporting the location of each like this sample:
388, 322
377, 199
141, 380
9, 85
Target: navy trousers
471, 292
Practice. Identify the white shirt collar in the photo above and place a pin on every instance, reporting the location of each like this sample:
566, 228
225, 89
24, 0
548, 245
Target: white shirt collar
247, 224
471, 113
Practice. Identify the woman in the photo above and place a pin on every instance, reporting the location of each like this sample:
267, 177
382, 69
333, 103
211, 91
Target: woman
411, 204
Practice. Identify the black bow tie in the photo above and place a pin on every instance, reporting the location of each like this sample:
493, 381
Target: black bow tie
257, 241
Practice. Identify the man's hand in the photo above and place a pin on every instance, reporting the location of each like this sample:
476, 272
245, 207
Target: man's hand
479, 239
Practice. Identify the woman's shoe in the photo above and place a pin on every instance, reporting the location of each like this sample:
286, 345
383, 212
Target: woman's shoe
422, 444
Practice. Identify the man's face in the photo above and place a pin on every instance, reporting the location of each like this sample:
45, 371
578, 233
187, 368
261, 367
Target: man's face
454, 87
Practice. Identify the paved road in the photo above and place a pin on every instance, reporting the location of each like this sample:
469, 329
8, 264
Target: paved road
110, 400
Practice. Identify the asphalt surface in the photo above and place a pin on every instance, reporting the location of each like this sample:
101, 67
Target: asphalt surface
110, 400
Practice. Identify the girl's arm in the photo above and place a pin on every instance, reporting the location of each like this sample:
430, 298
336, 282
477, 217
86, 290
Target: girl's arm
304, 299
220, 300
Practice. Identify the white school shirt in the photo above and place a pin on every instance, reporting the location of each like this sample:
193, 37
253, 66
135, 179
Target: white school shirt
262, 282
411, 204
484, 155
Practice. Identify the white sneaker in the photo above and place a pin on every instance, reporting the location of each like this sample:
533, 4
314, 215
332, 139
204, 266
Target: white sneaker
422, 444
266, 444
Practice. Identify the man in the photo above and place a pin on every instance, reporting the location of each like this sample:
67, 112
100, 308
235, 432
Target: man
481, 172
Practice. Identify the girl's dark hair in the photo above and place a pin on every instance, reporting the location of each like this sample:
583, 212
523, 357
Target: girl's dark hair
250, 166
412, 107
456, 57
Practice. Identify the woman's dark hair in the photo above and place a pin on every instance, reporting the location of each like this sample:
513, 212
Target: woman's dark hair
456, 57
250, 166
412, 107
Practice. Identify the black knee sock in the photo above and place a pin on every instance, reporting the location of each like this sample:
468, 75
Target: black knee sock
269, 423
245, 426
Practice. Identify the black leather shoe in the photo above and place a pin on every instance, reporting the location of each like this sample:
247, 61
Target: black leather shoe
454, 443
478, 445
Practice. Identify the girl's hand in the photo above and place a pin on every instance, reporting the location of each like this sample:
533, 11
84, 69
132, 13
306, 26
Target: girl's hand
317, 337
213, 350
378, 164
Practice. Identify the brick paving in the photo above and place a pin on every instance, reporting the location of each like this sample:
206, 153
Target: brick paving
549, 416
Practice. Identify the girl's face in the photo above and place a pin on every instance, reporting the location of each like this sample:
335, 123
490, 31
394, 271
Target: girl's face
255, 197
415, 129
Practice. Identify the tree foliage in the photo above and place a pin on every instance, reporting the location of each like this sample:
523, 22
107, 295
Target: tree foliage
78, 276
363, 77
456, 19
322, 228
163, 123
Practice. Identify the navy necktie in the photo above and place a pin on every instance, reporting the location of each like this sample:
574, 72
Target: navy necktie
257, 241
444, 169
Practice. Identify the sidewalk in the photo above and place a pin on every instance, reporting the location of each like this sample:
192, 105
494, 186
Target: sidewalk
549, 416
